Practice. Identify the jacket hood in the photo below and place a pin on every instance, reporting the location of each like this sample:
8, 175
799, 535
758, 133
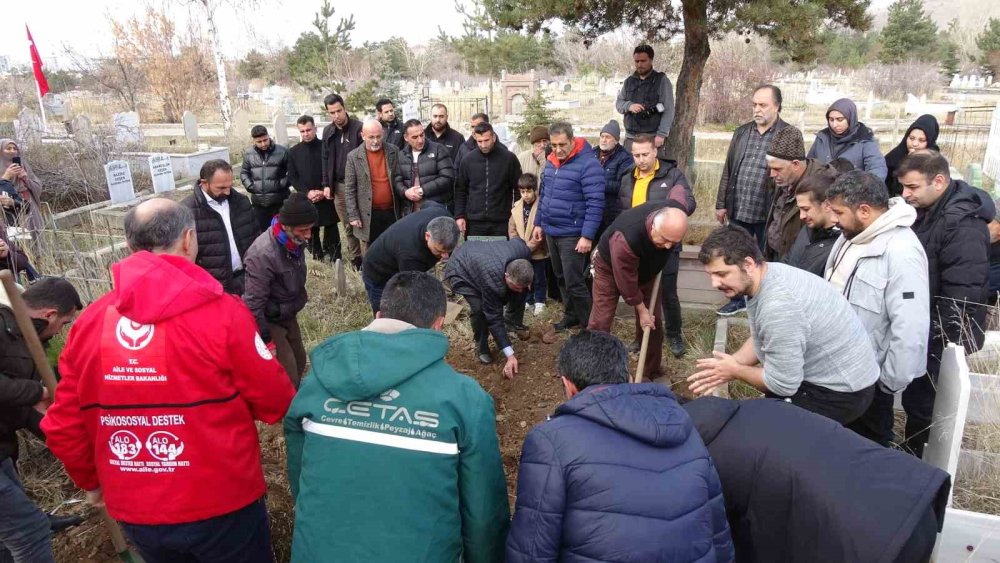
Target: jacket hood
359, 365
150, 288
579, 145
969, 200
648, 412
710, 415
899, 214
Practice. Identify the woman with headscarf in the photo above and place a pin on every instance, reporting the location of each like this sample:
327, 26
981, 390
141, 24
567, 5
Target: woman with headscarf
922, 134
24, 179
848, 138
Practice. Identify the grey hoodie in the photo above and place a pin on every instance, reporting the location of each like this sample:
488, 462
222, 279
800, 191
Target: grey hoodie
883, 273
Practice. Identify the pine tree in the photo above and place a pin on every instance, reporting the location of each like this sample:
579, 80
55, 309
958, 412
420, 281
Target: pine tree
909, 34
536, 112
989, 43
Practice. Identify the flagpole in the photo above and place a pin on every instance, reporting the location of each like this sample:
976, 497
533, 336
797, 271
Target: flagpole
41, 107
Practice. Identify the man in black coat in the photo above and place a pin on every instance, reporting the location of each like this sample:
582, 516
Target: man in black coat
265, 175
426, 171
440, 132
800, 487
226, 224
414, 243
485, 186
305, 174
819, 229
952, 219
340, 137
52, 303
392, 127
487, 274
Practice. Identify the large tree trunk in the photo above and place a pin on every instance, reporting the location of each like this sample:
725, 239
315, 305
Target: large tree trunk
688, 95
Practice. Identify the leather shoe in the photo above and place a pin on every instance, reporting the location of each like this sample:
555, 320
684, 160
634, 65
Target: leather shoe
485, 358
59, 523
677, 347
566, 325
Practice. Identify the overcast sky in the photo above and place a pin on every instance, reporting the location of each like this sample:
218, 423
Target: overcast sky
83, 25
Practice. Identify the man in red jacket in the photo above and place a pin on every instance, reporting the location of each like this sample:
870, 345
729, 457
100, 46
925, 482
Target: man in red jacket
162, 379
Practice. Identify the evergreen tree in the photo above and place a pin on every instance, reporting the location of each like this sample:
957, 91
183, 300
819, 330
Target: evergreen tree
536, 112
909, 34
989, 43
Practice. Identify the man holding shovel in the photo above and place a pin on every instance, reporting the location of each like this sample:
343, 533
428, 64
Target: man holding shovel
629, 260
50, 304
162, 380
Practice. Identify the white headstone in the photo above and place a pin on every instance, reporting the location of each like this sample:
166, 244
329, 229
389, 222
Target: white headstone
956, 80
280, 130
82, 128
411, 110
991, 160
190, 121
120, 185
29, 125
127, 127
241, 123
162, 171
868, 106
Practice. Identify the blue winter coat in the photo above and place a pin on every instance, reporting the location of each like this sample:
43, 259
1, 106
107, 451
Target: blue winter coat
618, 474
614, 168
572, 198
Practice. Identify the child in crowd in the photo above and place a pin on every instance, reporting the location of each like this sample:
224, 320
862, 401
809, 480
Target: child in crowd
522, 223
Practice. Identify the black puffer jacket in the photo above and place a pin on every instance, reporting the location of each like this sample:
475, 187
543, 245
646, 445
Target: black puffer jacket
20, 386
392, 133
668, 184
450, 138
265, 175
213, 241
437, 175
486, 184
800, 487
954, 234
811, 249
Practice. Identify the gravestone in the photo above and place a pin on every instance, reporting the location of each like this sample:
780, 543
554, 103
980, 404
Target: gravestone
82, 128
55, 105
162, 171
280, 130
29, 126
241, 123
119, 177
127, 129
411, 110
190, 127
956, 81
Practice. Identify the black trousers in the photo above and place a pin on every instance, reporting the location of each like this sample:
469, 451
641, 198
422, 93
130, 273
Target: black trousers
265, 214
835, 405
876, 423
486, 229
570, 268
668, 292
918, 402
480, 330
381, 220
326, 245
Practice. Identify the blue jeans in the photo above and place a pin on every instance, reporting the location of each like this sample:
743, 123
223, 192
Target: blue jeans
539, 284
24, 529
374, 294
243, 536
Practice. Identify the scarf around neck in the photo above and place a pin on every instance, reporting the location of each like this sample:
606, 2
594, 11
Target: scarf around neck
284, 240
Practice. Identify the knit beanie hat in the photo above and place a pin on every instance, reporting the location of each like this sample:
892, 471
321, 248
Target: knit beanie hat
539, 133
787, 144
297, 211
613, 129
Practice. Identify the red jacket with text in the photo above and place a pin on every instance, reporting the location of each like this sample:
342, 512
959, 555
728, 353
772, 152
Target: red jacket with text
162, 379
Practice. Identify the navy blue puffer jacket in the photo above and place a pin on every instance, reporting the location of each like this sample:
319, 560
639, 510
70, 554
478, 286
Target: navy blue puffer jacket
572, 197
617, 164
618, 474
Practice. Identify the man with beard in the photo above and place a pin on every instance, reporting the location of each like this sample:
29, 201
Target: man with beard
879, 264
819, 229
440, 131
226, 224
276, 282
340, 137
265, 175
426, 171
646, 100
392, 128
615, 161
799, 323
305, 174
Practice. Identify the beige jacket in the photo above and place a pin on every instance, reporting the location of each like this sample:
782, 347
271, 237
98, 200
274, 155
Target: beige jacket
517, 228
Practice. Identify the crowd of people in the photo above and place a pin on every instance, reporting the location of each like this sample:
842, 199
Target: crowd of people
852, 289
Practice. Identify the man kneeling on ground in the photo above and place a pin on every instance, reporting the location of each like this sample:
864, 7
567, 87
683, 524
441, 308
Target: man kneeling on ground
392, 455
618, 473
806, 343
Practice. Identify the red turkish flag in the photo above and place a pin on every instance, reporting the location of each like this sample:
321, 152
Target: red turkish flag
36, 66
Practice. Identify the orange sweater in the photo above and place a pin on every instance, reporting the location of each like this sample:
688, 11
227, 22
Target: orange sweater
381, 190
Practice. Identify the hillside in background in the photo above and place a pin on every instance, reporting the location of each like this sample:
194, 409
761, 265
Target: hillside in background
971, 14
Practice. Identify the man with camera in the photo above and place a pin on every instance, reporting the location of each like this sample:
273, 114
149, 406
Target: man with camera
646, 100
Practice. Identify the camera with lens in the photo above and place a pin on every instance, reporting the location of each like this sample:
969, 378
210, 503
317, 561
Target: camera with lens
650, 112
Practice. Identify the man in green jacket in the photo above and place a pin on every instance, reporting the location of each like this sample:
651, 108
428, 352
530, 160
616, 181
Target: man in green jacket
392, 455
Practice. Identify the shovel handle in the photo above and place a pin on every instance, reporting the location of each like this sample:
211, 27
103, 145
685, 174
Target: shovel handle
645, 331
